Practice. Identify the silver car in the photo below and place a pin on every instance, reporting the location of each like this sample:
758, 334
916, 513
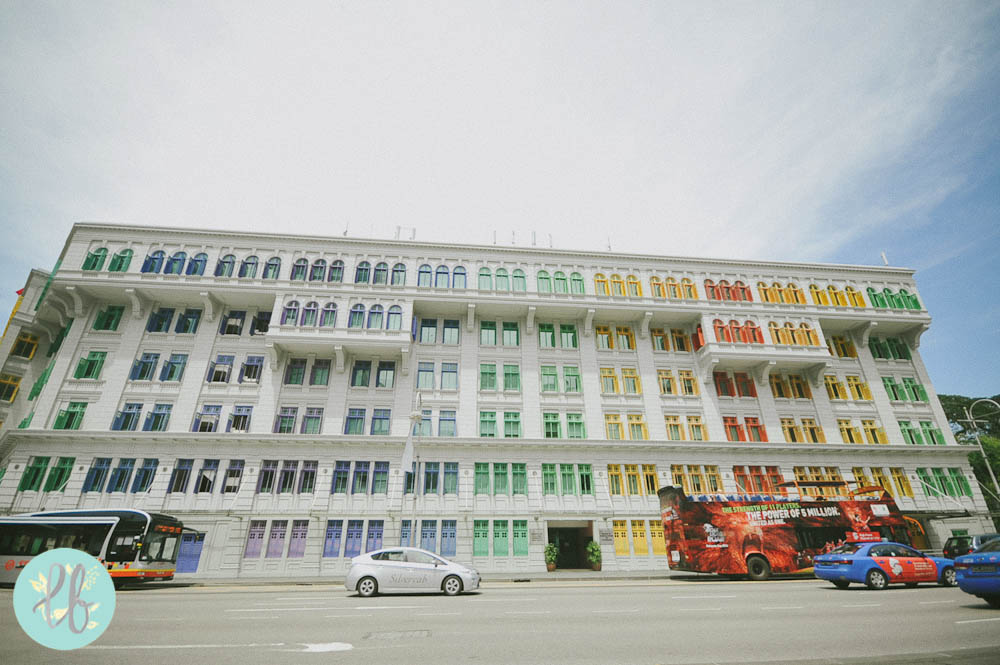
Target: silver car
408, 569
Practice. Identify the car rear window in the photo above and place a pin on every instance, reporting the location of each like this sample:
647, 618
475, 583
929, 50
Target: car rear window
849, 548
958, 541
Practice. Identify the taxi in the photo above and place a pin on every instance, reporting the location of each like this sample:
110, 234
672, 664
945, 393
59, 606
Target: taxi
879, 564
408, 569
979, 572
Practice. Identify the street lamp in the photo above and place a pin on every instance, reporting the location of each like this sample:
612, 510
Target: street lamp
975, 432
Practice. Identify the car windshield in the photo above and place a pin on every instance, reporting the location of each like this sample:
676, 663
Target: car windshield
849, 548
991, 546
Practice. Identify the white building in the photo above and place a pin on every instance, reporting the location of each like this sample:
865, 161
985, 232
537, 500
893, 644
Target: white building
259, 387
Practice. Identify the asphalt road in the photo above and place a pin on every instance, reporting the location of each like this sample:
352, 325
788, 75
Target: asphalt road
631, 623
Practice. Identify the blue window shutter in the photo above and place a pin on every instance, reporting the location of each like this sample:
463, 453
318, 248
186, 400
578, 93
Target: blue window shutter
118, 421
88, 483
197, 422
222, 324
147, 264
147, 426
243, 367
229, 424
165, 371
135, 370
211, 368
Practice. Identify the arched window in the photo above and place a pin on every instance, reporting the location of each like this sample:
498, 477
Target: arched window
601, 285
175, 264
224, 266
764, 292
794, 295
272, 268
617, 285
399, 275
120, 261
891, 298
559, 283
818, 295
775, 331
95, 259
778, 294
854, 297
381, 274
673, 288
336, 273
485, 279
544, 282
836, 296
248, 267
318, 270
310, 312
329, 317
811, 334
424, 275
690, 292
441, 277
788, 333
503, 279
458, 277
710, 290
357, 317
908, 300
724, 291
722, 333
576, 283
290, 314
361, 273
742, 292
153, 262
734, 331
375, 317
299, 269
656, 286
518, 281
752, 334
394, 320
876, 299
634, 287
197, 263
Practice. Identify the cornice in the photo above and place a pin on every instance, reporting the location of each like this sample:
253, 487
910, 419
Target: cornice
468, 250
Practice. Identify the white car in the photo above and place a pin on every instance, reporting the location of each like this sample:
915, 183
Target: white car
408, 569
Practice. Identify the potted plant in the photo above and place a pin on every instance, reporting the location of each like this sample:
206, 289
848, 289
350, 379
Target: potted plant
551, 554
594, 554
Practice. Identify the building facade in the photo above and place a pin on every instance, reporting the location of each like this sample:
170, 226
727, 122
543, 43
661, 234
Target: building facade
261, 387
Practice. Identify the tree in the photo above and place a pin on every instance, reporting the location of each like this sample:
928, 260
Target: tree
988, 424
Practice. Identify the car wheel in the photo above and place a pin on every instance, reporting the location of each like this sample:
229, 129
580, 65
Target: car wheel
841, 584
876, 580
758, 569
948, 577
452, 586
367, 587
994, 601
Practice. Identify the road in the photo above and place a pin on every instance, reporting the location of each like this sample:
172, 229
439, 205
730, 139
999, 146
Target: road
634, 623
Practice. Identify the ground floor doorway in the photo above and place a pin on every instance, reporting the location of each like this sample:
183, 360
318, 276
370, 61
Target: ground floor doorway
571, 537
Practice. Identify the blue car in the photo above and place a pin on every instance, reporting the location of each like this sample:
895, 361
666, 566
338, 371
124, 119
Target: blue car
880, 564
979, 573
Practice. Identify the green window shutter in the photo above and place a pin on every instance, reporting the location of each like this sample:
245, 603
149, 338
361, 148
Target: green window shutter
519, 475
482, 478
481, 538
520, 534
48, 283
81, 369
549, 483
61, 420
501, 546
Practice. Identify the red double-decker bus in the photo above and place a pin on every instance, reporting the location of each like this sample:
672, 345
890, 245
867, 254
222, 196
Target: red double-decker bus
760, 534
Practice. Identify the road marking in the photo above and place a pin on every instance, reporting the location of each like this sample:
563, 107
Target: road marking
978, 620
283, 609
864, 605
700, 609
499, 600
437, 614
388, 607
698, 597
785, 607
615, 611
935, 602
531, 612
344, 616
183, 646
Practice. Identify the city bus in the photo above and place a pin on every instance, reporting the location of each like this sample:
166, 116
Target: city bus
755, 535
134, 545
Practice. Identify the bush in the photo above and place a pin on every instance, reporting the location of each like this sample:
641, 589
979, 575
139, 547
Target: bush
593, 552
551, 553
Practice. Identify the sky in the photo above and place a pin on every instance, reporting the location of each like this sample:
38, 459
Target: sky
798, 131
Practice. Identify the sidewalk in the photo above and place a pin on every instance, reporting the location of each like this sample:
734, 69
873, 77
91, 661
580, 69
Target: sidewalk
569, 575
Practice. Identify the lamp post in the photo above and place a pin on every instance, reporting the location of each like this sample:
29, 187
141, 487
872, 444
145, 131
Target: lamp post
975, 433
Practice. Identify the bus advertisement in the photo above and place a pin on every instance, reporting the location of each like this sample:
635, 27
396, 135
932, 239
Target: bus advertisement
132, 544
757, 535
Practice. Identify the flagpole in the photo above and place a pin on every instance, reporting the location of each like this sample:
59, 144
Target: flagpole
416, 419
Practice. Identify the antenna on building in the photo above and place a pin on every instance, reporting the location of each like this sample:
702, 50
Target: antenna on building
885, 259
494, 236
398, 231
609, 243
532, 238
513, 236
346, 227
550, 241
413, 233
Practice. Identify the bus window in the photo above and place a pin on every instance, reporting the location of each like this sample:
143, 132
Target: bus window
823, 539
849, 548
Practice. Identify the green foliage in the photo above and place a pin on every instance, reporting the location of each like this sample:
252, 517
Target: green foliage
988, 427
593, 552
551, 553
